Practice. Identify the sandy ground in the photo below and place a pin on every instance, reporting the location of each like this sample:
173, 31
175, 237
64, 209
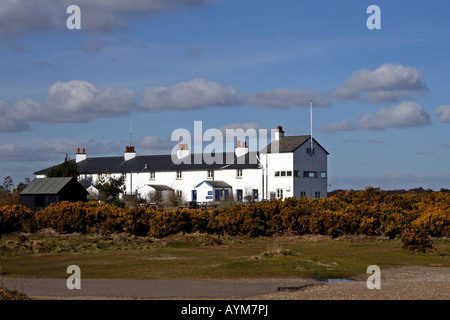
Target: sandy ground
404, 283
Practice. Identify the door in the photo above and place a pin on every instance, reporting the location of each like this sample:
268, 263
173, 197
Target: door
255, 194
194, 195
217, 195
239, 194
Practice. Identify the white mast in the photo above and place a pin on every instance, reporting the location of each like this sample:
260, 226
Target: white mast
131, 128
311, 116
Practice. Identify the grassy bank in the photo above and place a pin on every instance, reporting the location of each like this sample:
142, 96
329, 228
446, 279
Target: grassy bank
203, 256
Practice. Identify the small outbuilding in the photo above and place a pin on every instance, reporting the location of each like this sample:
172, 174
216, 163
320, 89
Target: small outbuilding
210, 190
43, 191
155, 192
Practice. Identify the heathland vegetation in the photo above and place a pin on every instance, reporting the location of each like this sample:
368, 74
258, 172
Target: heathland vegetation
416, 217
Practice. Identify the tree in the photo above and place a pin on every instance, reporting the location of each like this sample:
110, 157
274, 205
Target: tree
111, 188
68, 168
8, 184
22, 185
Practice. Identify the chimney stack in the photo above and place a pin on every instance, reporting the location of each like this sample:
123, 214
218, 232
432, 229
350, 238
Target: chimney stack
279, 133
129, 153
80, 156
183, 151
240, 149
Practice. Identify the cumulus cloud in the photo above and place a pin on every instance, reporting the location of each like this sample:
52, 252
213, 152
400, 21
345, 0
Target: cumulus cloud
201, 93
194, 94
388, 83
404, 115
20, 17
13, 152
284, 98
150, 144
72, 101
444, 113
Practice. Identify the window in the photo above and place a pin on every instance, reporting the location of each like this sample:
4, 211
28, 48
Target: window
210, 174
308, 151
152, 175
239, 173
283, 173
297, 173
279, 193
310, 174
323, 174
179, 193
317, 194
179, 175
302, 194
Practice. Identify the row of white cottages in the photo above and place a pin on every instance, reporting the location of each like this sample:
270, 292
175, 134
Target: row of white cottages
295, 168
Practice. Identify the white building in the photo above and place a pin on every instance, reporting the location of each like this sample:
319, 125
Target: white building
290, 166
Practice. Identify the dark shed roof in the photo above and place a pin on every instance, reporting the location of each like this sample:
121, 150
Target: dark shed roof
46, 186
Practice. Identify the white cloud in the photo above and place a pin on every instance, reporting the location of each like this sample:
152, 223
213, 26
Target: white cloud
388, 83
194, 94
285, 98
14, 153
444, 113
72, 101
151, 144
201, 93
404, 115
20, 17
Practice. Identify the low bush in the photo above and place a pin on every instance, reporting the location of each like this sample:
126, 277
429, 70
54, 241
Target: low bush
367, 212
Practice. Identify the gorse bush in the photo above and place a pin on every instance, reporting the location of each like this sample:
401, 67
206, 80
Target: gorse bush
16, 218
367, 212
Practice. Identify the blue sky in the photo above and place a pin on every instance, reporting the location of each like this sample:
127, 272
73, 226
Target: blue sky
381, 97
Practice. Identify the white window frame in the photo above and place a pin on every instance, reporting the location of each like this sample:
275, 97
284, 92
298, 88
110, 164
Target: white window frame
239, 173
179, 175
280, 193
152, 175
210, 174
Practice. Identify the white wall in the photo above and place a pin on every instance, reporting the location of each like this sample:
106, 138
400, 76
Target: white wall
278, 162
